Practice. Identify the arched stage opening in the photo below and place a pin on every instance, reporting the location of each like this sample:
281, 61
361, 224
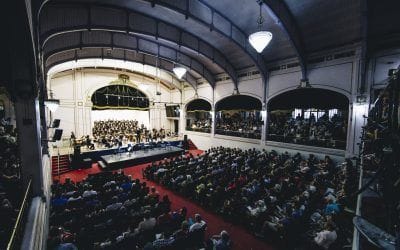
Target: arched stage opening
120, 102
198, 116
313, 116
240, 116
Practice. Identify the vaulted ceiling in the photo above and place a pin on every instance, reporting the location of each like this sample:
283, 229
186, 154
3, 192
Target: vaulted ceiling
208, 37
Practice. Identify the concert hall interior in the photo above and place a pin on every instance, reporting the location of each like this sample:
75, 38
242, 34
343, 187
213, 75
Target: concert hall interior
200, 124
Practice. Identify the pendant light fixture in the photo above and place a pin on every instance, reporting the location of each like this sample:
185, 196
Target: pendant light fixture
260, 39
179, 71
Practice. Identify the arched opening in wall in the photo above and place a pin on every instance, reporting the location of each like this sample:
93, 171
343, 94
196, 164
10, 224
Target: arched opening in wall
239, 115
309, 116
120, 113
198, 116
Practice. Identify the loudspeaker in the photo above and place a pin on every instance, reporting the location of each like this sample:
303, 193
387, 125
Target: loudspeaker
57, 134
185, 142
56, 123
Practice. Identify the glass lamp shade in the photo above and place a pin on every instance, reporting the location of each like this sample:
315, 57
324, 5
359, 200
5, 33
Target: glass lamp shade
52, 104
179, 71
259, 40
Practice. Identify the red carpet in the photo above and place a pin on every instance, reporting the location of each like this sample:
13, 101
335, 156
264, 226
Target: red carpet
241, 238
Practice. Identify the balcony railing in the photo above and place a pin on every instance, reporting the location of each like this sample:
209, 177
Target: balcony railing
324, 143
244, 134
201, 130
18, 229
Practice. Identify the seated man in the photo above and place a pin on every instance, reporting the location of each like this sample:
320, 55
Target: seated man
221, 241
148, 222
198, 224
166, 240
326, 237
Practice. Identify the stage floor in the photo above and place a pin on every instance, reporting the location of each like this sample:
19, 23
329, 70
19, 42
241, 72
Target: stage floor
122, 160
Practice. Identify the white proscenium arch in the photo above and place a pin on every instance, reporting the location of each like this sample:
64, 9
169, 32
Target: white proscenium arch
114, 64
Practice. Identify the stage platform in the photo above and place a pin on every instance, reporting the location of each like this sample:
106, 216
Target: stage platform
125, 159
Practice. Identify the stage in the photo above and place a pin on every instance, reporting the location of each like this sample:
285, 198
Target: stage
125, 159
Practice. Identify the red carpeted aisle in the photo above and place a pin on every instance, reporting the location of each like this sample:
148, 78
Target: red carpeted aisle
241, 238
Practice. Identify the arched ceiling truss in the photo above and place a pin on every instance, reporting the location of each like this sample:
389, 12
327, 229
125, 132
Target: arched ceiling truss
276, 8
206, 15
71, 54
59, 18
111, 40
279, 10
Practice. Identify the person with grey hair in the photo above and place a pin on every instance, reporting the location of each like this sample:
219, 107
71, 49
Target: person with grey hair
221, 241
198, 224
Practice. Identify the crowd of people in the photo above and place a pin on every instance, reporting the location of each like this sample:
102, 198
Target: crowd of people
199, 125
10, 180
321, 132
287, 199
110, 133
242, 124
113, 211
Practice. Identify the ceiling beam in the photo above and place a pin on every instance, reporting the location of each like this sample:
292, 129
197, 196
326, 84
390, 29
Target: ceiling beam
112, 39
233, 33
158, 61
136, 23
284, 18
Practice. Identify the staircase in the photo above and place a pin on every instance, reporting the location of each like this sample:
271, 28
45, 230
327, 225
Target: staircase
64, 165
191, 145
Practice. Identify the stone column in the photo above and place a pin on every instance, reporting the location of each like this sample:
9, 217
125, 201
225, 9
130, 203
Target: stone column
182, 120
213, 121
264, 128
29, 138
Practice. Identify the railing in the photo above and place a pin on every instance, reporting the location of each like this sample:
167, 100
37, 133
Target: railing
248, 134
325, 143
201, 130
17, 232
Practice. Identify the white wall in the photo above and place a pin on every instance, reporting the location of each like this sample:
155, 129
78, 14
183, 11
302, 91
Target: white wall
75, 87
340, 75
380, 64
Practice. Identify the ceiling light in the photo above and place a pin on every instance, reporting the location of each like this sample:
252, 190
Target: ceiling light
260, 39
179, 71
52, 104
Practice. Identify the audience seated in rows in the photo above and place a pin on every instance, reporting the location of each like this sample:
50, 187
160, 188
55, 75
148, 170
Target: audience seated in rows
112, 211
277, 196
239, 124
322, 132
10, 180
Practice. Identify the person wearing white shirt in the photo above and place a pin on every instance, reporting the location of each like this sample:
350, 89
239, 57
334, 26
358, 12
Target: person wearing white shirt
326, 237
199, 223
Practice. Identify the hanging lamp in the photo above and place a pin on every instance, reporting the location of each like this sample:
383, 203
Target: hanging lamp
260, 39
